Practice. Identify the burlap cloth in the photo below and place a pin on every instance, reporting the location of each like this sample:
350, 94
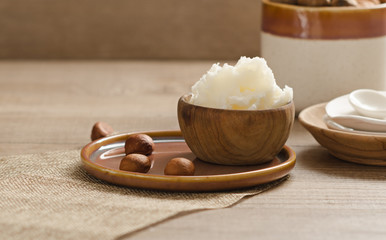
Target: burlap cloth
50, 196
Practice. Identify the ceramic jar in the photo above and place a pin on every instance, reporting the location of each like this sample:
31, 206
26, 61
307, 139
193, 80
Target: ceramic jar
324, 52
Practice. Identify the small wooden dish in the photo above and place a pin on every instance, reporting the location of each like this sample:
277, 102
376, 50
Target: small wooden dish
353, 147
101, 158
235, 137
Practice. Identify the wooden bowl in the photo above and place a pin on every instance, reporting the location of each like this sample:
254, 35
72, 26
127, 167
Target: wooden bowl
353, 147
234, 137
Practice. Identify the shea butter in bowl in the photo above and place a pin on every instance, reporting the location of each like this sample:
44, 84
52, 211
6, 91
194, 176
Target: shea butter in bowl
237, 115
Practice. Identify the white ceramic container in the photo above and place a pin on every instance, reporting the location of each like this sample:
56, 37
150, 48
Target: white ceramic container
324, 52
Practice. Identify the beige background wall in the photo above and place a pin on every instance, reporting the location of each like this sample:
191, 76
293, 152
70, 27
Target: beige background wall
129, 29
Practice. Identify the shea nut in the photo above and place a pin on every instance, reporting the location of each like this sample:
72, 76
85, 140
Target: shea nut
135, 163
100, 130
139, 143
179, 166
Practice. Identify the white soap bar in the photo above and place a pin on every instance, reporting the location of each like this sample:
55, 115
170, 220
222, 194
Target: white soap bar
249, 85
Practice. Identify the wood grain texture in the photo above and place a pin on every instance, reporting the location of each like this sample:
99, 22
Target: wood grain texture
135, 29
234, 137
53, 105
325, 198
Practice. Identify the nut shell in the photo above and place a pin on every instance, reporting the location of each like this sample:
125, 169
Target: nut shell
100, 130
139, 143
179, 166
135, 163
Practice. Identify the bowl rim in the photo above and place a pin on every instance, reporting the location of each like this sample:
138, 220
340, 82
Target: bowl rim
310, 125
184, 97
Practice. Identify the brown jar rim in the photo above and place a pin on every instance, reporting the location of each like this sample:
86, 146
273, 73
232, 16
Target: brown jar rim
323, 22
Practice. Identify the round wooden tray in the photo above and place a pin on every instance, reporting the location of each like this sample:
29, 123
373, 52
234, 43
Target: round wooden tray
102, 157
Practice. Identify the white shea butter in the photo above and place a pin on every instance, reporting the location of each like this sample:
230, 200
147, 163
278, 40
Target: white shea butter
249, 85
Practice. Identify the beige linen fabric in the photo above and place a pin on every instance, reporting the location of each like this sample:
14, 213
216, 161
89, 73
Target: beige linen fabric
50, 196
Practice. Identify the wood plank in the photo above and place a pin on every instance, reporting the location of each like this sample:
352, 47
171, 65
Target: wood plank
324, 198
52, 105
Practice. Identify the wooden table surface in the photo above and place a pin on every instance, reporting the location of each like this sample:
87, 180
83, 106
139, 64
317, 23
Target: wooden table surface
52, 105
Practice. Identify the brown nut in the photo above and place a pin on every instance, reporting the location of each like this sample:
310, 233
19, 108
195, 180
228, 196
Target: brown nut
100, 130
139, 143
179, 166
135, 163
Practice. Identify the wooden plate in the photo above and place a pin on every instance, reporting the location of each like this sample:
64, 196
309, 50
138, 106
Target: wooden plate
353, 147
102, 157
